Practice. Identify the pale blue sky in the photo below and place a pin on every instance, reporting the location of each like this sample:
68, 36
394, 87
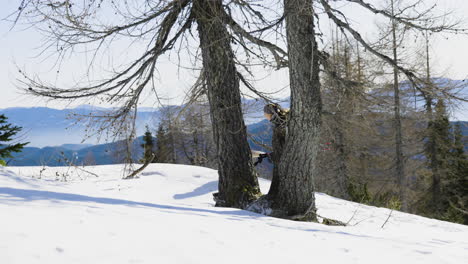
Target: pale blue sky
19, 47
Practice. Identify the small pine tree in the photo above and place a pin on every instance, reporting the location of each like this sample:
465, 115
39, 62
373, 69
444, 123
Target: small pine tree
148, 146
161, 151
7, 132
359, 192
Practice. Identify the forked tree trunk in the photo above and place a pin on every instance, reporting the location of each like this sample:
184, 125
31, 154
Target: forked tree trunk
297, 168
238, 184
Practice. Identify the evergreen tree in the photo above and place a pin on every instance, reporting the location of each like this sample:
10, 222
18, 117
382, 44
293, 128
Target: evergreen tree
437, 151
7, 131
148, 146
457, 184
161, 151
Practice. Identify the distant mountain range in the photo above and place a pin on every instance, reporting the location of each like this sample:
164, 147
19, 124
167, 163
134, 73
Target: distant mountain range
109, 153
56, 139
54, 133
44, 126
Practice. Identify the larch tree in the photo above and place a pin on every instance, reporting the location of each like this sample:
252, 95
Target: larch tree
162, 27
394, 36
164, 24
197, 141
229, 130
399, 159
294, 196
346, 119
297, 168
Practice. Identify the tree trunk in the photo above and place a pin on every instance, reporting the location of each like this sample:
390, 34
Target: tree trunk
432, 143
295, 198
342, 179
400, 173
278, 140
343, 113
238, 184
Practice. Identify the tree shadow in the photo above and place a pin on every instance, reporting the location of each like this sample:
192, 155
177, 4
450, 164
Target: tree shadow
11, 175
26, 195
151, 173
199, 191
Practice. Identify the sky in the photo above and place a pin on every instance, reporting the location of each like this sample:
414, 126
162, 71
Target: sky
20, 48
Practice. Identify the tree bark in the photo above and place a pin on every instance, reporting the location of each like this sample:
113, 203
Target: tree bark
342, 180
278, 141
295, 198
238, 184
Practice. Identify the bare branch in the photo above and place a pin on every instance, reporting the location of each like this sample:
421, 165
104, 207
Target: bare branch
408, 21
345, 26
278, 53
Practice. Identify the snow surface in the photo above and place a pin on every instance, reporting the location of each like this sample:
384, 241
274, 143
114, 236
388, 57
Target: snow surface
167, 216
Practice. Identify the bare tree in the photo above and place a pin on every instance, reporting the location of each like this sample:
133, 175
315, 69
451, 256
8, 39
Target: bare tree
196, 139
297, 164
164, 26
344, 96
298, 161
398, 130
392, 39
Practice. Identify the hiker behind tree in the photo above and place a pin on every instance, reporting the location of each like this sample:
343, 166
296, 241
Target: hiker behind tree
278, 117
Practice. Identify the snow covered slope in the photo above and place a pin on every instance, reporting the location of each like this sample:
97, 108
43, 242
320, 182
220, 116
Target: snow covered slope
167, 216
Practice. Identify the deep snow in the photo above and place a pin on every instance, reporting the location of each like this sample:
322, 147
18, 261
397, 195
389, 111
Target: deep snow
167, 216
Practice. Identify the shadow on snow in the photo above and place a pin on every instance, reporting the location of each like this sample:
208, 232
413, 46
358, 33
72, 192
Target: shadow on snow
26, 195
199, 191
11, 175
